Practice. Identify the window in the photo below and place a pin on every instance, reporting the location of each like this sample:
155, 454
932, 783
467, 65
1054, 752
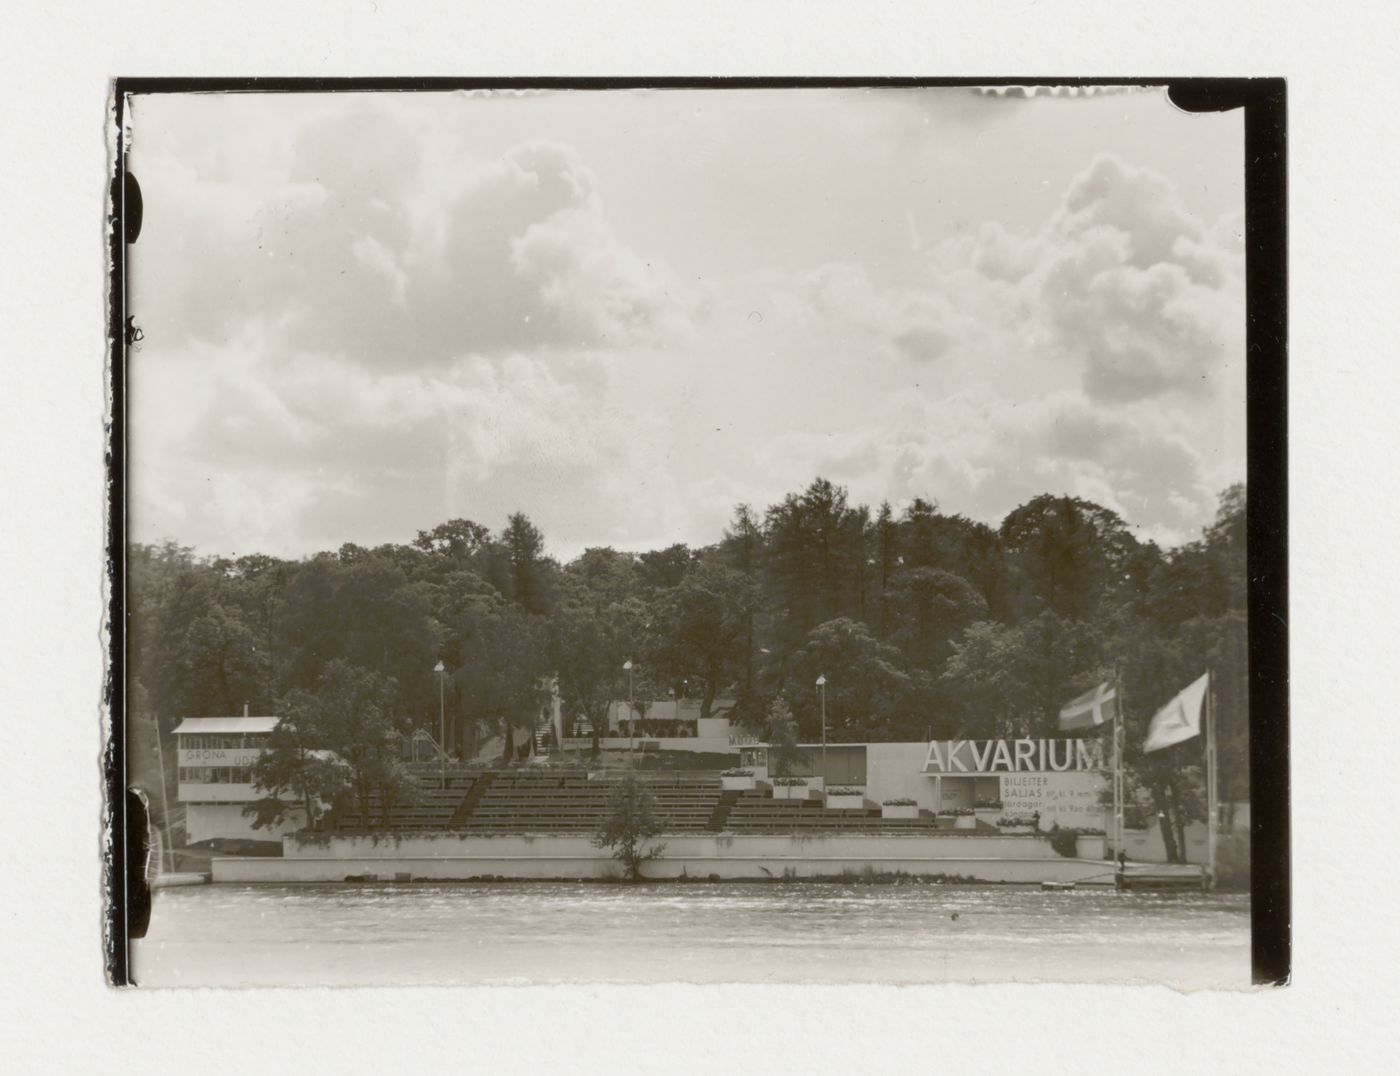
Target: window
216, 775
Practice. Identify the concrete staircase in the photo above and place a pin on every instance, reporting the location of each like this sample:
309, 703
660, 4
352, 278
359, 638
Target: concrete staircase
720, 817
544, 735
471, 799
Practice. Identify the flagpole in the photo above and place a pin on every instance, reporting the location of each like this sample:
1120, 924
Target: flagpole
1212, 791
1117, 763
167, 843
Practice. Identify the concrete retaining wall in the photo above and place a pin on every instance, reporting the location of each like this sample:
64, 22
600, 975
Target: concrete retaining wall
717, 745
453, 856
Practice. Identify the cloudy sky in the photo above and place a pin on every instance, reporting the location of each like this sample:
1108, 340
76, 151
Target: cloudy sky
625, 312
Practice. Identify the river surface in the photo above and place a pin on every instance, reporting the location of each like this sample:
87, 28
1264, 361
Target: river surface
541, 932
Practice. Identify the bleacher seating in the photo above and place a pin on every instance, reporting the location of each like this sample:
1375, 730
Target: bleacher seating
570, 802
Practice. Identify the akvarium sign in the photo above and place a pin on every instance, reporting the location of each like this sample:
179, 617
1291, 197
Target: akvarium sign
1012, 756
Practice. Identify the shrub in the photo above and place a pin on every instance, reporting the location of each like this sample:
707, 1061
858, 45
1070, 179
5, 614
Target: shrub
986, 804
1065, 841
1015, 820
629, 823
736, 773
956, 812
789, 782
901, 801
846, 791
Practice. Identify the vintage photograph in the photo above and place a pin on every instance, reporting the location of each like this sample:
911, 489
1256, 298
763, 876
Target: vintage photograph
770, 534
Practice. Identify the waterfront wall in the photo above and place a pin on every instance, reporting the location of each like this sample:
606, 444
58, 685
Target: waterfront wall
455, 856
719, 745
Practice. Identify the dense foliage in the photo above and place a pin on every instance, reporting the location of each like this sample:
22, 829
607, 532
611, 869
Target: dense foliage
924, 624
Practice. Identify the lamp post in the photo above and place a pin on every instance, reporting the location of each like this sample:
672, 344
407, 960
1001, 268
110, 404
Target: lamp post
821, 688
441, 670
627, 665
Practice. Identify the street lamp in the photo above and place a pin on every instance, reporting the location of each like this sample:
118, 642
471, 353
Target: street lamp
821, 687
441, 670
627, 665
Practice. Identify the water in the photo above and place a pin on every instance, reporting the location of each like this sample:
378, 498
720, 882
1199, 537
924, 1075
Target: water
517, 933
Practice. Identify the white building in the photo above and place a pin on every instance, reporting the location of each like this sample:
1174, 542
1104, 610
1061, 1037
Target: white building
1057, 780
215, 777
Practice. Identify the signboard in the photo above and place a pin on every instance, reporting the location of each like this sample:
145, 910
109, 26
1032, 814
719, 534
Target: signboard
951, 757
220, 756
1069, 800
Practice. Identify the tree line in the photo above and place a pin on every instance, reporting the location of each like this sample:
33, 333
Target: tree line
925, 624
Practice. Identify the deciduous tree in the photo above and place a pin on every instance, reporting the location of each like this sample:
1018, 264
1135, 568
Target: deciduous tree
628, 824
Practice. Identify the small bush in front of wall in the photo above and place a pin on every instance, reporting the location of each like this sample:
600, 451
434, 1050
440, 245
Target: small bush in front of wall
1015, 820
1065, 840
986, 804
790, 782
736, 773
901, 801
846, 791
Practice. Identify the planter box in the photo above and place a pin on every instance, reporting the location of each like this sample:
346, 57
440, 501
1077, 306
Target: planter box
856, 799
790, 792
1014, 831
965, 821
736, 784
901, 810
1090, 846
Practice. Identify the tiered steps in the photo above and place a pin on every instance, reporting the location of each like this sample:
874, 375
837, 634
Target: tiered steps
572, 803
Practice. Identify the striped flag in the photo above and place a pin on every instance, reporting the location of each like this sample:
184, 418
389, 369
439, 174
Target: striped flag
1179, 719
1091, 709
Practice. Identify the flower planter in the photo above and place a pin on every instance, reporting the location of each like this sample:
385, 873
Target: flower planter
855, 799
899, 810
737, 784
790, 792
965, 821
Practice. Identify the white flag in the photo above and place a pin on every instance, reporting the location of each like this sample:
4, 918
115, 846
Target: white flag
1179, 719
1093, 708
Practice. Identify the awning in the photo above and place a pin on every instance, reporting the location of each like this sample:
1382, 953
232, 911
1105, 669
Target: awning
228, 725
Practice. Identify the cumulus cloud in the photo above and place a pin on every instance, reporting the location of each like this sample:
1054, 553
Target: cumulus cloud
982, 456
893, 323
1145, 296
348, 249
361, 322
1120, 283
294, 452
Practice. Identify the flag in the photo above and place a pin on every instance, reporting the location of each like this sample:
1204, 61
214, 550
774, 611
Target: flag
1179, 719
1094, 707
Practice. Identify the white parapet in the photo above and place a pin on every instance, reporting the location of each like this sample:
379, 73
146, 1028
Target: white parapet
336, 858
